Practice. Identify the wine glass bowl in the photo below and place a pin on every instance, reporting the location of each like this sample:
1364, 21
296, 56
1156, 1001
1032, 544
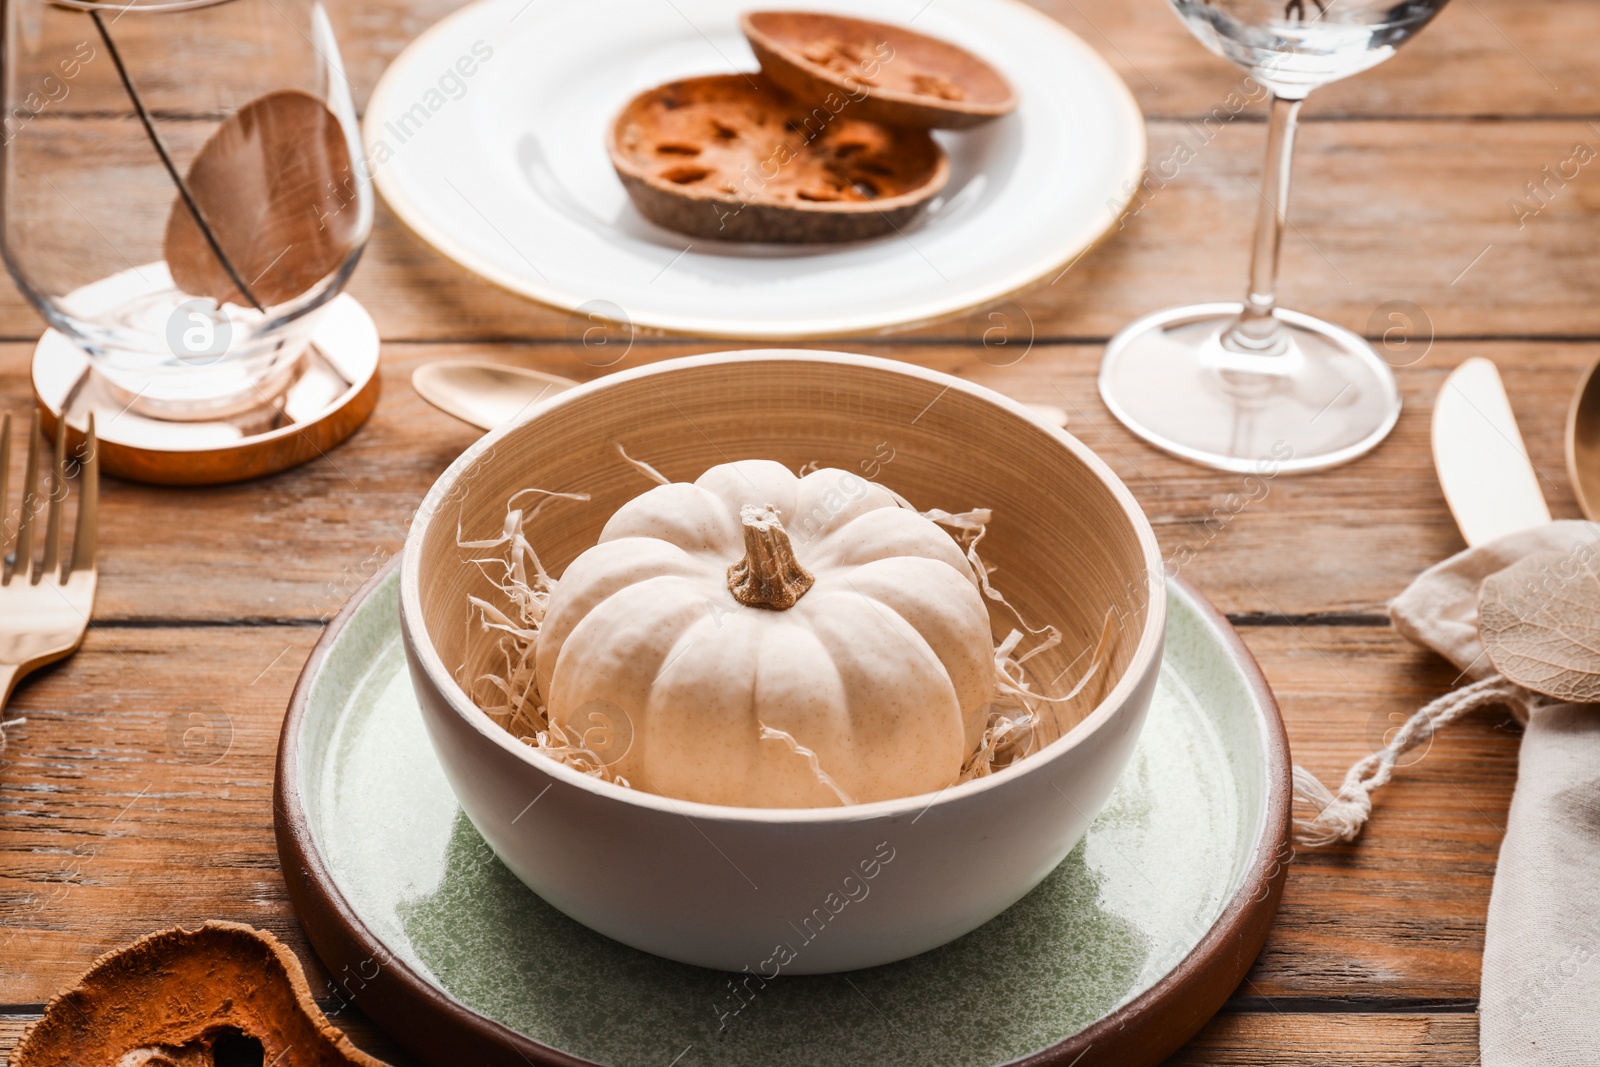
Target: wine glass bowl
1236, 386
183, 190
1294, 46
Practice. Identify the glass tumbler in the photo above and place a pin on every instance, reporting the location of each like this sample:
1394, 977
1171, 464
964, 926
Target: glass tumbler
183, 190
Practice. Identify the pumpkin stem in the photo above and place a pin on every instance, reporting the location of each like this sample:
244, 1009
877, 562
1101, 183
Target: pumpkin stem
769, 576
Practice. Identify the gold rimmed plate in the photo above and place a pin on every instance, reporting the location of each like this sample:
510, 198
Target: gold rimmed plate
487, 139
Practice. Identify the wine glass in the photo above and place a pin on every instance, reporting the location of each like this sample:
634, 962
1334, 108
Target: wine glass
1233, 385
183, 190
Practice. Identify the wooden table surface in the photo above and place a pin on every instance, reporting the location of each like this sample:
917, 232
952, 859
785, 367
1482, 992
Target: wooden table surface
1408, 188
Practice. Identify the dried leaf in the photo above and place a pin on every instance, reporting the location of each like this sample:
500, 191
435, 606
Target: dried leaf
1540, 623
276, 187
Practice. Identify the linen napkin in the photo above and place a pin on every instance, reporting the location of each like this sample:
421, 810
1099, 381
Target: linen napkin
1539, 1002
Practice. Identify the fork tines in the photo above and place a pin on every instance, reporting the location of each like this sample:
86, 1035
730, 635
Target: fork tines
55, 498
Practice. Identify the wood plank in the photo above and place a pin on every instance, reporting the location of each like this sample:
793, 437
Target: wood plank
1232, 1039
295, 545
1489, 57
113, 823
1400, 914
1259, 1039
1484, 57
1267, 1039
1383, 212
138, 795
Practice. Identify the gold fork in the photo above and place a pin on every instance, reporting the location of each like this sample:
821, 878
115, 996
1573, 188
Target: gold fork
45, 604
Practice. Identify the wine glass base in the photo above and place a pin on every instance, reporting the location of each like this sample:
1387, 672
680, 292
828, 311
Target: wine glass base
1325, 399
334, 389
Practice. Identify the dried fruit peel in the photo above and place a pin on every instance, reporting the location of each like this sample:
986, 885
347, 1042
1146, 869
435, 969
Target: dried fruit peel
168, 997
891, 74
730, 157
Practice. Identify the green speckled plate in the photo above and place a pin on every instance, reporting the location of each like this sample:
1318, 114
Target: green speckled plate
1117, 958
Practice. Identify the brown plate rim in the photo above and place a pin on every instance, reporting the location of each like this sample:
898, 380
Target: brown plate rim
440, 1030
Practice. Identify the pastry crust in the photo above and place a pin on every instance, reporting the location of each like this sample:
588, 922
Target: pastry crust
732, 157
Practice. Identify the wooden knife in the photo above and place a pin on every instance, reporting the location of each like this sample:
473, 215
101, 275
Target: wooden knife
1488, 480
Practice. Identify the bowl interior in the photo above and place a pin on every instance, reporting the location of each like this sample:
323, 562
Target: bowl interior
1066, 543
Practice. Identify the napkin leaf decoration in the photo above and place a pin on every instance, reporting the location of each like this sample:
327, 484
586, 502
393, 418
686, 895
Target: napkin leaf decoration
1540, 623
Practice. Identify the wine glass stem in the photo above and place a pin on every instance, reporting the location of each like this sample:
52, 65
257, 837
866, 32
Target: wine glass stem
1257, 330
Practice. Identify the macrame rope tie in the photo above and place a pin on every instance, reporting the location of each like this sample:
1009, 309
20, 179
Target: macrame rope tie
1340, 817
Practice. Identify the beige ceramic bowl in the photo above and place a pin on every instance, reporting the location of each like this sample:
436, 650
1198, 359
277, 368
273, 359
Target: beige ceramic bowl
793, 891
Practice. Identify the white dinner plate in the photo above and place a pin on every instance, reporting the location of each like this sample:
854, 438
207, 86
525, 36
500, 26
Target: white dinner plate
487, 138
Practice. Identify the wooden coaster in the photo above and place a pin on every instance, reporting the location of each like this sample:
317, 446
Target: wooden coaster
331, 395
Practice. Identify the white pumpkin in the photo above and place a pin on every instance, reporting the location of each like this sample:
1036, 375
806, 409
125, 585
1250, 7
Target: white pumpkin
729, 639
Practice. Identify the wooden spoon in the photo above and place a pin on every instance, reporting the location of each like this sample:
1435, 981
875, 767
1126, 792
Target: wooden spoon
1583, 444
484, 394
